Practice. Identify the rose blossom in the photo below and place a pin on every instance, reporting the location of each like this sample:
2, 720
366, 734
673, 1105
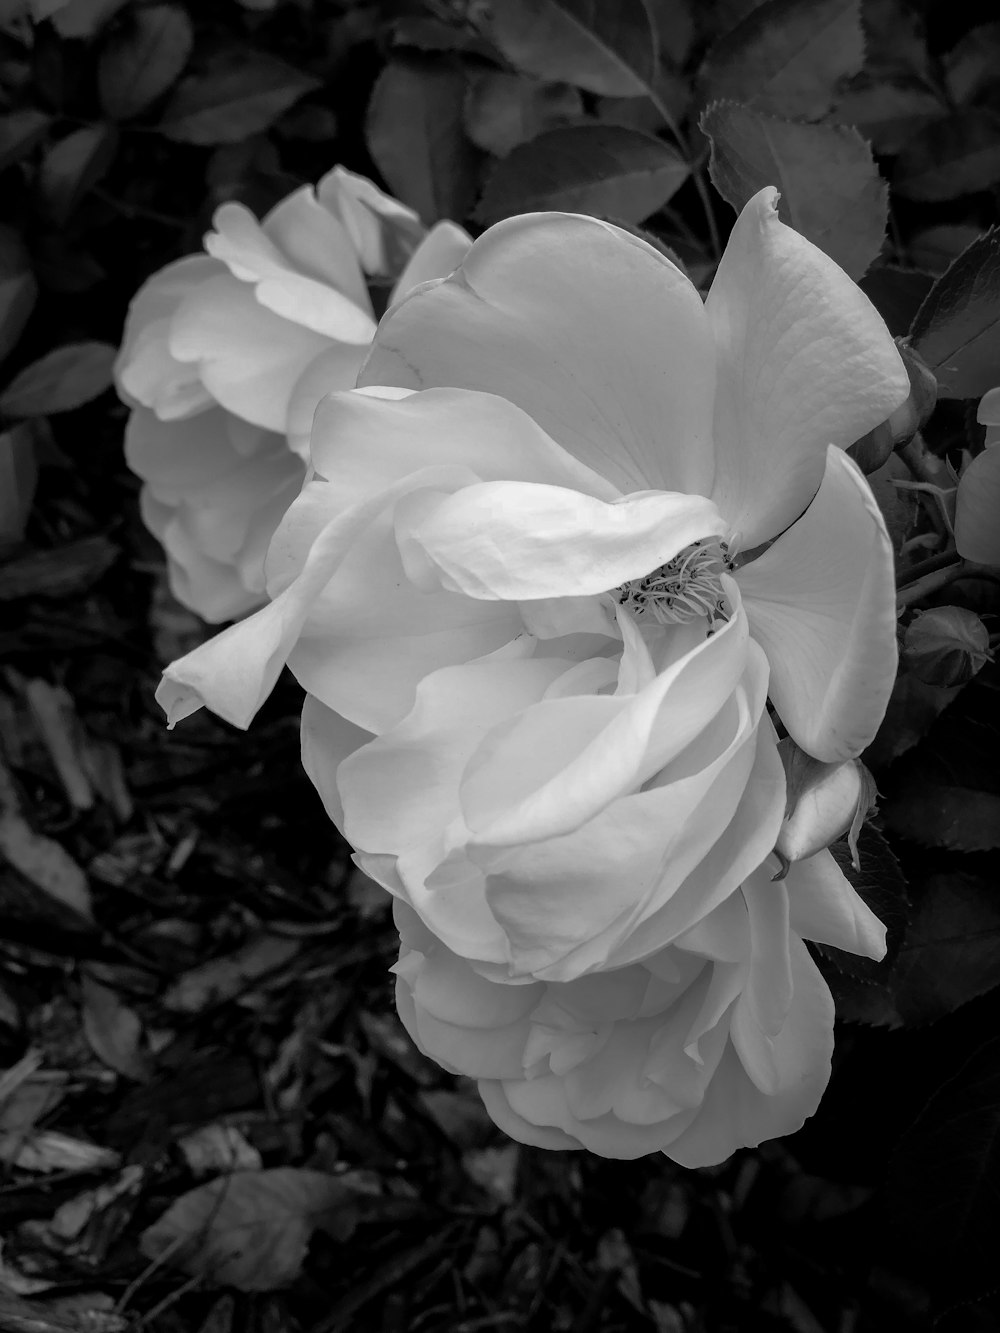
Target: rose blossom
589, 434
719, 1040
552, 561
225, 356
549, 816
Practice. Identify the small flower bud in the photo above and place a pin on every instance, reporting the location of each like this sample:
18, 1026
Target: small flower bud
946, 645
823, 802
873, 449
912, 415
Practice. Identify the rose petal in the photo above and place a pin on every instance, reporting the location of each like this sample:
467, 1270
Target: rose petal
735, 1113
552, 896
804, 360
509, 540
382, 230
213, 590
334, 369
327, 740
587, 328
179, 457
977, 505
145, 371
551, 769
827, 909
438, 254
315, 242
742, 847
988, 411
762, 1008
363, 441
821, 603
234, 673
405, 784
370, 635
248, 358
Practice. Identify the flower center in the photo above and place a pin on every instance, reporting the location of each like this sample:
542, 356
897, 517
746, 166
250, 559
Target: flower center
685, 588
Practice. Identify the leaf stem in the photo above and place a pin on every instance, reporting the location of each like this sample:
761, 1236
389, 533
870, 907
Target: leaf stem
706, 203
699, 182
668, 120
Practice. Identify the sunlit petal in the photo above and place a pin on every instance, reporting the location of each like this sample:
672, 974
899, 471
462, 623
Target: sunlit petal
804, 360
587, 328
821, 602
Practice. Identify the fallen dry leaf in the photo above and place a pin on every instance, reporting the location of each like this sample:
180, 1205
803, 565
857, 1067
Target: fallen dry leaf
251, 1229
222, 978
39, 859
114, 1030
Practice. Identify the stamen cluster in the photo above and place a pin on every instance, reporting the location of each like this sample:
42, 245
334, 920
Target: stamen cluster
683, 589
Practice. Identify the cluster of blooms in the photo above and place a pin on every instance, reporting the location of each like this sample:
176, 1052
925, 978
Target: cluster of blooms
572, 548
225, 356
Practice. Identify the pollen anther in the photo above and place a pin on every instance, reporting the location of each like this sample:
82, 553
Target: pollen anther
685, 588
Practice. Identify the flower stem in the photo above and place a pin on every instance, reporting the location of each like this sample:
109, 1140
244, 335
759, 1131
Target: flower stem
929, 566
922, 587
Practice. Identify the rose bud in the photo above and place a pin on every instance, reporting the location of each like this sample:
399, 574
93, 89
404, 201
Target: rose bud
946, 645
823, 802
912, 415
872, 450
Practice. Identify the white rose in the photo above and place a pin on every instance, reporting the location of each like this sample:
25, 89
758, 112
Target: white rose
716, 1042
548, 816
226, 355
597, 437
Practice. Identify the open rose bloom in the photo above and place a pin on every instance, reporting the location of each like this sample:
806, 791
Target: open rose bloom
574, 547
226, 354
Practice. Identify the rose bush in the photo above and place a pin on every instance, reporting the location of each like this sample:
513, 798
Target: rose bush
555, 556
225, 356
717, 1041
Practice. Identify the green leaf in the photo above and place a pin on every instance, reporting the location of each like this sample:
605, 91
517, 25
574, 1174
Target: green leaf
831, 191
896, 293
888, 114
18, 477
143, 59
73, 166
605, 170
942, 1186
64, 379
951, 952
20, 131
250, 1229
860, 1000
945, 814
18, 290
415, 133
83, 18
503, 110
957, 328
960, 155
606, 48
913, 708
970, 66
243, 94
787, 57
